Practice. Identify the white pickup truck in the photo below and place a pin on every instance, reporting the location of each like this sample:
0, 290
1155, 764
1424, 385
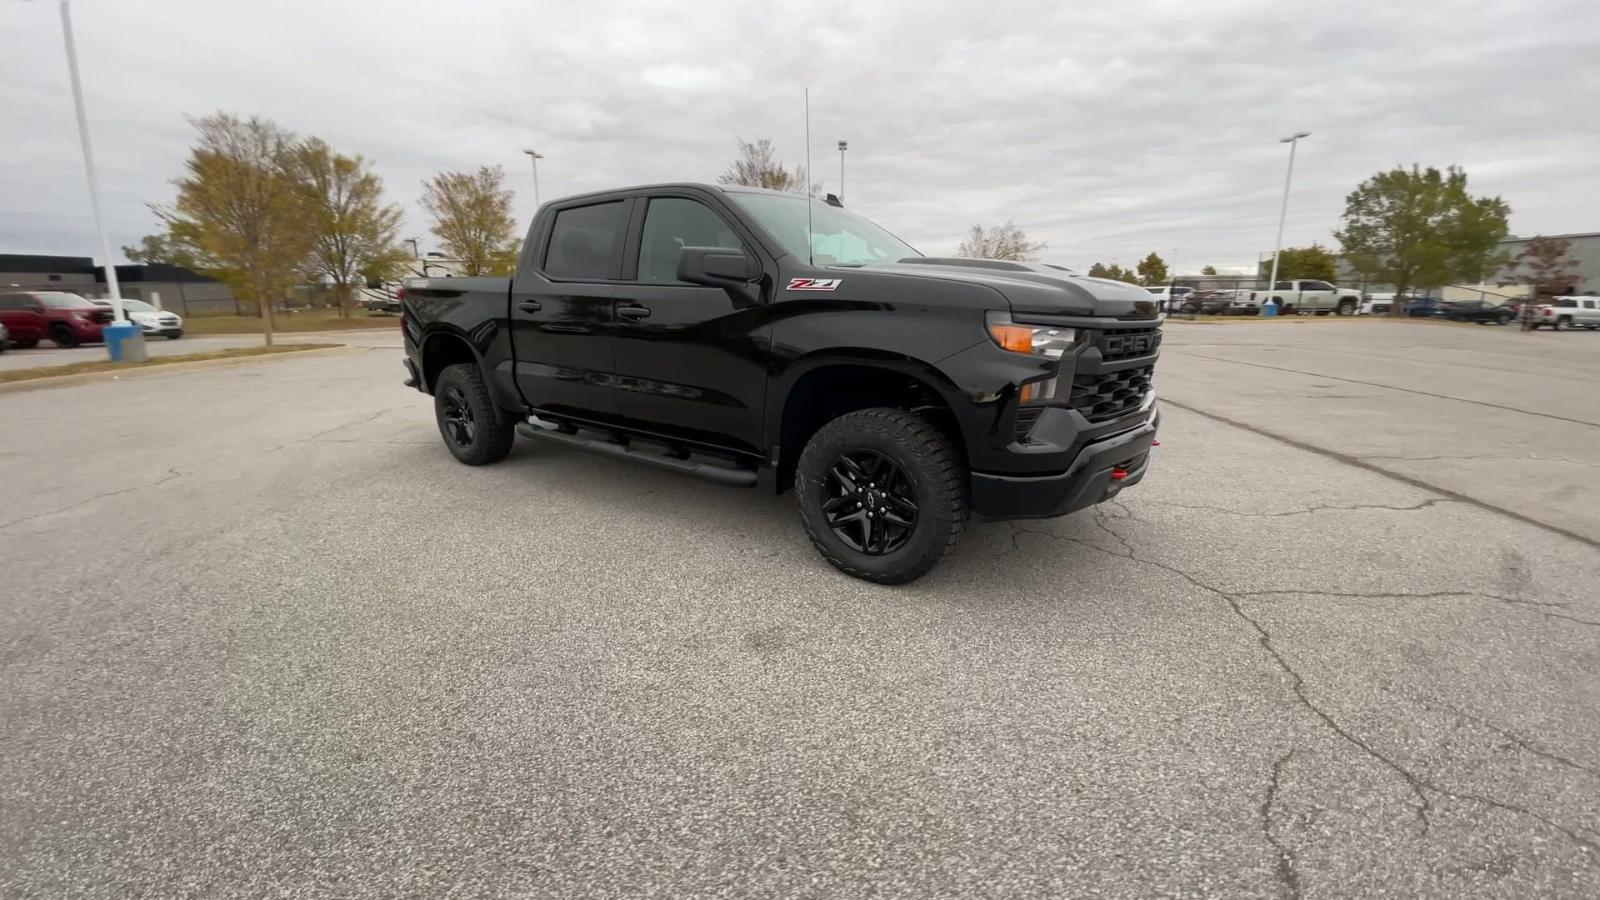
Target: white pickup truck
1307, 297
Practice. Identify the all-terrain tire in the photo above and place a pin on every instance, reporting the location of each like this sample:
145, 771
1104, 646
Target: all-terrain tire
492, 432
63, 336
930, 464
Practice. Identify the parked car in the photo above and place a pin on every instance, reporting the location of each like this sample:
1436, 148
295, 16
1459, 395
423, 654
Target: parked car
896, 394
66, 319
1561, 313
1210, 303
1480, 311
1424, 307
151, 321
1303, 295
1169, 296
5, 338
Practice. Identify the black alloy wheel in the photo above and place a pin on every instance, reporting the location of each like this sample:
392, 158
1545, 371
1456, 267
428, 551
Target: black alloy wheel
869, 502
457, 420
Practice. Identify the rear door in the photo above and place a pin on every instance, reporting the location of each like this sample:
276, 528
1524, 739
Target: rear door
1317, 295
23, 316
691, 360
561, 310
1591, 312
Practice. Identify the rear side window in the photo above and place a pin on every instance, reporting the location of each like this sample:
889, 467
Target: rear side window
671, 224
1284, 286
1589, 304
585, 242
1566, 302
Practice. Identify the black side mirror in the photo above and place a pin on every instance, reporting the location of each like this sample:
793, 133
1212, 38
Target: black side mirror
717, 267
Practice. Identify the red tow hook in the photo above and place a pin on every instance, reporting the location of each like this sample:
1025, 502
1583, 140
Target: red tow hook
1119, 473
1155, 443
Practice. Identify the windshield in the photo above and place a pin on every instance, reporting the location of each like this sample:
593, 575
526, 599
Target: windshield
62, 300
838, 237
136, 306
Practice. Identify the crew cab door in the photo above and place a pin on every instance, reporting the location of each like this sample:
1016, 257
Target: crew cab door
1317, 295
691, 359
561, 310
23, 317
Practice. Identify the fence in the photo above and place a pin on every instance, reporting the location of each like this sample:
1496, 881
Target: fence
192, 298
1211, 295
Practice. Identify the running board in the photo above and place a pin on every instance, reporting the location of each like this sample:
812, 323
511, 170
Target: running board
718, 474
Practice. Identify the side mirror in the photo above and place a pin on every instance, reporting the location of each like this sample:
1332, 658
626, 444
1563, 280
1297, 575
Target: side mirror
717, 267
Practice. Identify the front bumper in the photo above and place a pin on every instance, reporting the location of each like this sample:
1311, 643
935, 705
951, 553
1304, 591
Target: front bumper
1089, 480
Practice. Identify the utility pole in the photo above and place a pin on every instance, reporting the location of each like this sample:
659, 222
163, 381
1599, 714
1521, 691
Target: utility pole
534, 158
88, 166
1293, 141
843, 146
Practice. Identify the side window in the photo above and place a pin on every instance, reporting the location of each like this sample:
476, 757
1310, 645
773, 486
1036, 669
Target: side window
671, 224
1566, 302
1318, 286
1589, 304
585, 241
1284, 286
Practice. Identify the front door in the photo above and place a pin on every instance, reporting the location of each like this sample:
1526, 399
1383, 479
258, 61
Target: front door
691, 360
561, 313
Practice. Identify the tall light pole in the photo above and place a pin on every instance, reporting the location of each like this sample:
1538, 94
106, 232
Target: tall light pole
534, 158
88, 166
1293, 141
843, 146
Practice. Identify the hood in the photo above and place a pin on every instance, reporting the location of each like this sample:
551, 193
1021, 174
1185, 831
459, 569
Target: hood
145, 315
1035, 287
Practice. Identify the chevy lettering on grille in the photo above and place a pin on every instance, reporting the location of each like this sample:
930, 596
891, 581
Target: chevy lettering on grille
1122, 346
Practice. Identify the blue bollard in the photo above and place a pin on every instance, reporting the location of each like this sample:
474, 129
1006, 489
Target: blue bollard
124, 342
1269, 308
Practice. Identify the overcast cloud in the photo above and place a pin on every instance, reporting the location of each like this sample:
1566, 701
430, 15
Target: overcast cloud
1108, 130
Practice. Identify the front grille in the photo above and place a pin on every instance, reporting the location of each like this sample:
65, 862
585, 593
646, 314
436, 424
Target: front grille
1111, 394
1126, 343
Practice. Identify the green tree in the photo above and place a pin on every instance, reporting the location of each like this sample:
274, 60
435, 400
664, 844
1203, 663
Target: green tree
1113, 272
1315, 261
163, 249
1099, 271
472, 216
1208, 270
356, 233
1152, 270
1544, 264
1000, 242
755, 167
242, 204
1420, 228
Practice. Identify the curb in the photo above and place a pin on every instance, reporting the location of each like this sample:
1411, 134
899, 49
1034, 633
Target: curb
55, 381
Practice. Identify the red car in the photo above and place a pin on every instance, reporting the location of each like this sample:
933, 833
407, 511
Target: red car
66, 319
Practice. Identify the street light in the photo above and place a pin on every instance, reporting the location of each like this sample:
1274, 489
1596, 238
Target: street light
88, 167
534, 158
1293, 141
843, 146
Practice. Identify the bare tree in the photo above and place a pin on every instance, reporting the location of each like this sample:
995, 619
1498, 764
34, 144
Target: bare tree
1001, 242
755, 167
1549, 269
242, 205
472, 216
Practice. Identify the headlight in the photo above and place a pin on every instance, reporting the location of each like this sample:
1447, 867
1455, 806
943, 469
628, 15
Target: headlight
1048, 341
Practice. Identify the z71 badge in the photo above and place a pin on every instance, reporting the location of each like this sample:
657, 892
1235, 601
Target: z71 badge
815, 284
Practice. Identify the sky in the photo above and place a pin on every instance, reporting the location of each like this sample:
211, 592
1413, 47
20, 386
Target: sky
1106, 130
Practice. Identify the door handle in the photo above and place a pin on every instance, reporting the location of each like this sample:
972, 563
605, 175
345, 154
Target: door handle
530, 306
633, 312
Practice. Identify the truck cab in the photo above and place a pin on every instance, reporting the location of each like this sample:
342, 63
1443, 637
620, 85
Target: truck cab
1309, 296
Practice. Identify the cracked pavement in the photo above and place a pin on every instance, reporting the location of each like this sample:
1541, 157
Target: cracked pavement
262, 636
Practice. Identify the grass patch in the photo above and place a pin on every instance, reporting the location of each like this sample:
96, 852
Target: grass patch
302, 320
105, 365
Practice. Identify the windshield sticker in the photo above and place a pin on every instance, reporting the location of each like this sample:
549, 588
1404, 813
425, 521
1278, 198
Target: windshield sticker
815, 284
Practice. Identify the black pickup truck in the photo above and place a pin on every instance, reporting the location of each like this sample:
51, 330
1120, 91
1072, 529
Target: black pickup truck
719, 330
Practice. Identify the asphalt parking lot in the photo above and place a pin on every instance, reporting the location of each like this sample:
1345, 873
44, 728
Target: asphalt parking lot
262, 635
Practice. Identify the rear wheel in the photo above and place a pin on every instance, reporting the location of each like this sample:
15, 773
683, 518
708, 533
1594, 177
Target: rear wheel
881, 494
63, 336
474, 429
1563, 323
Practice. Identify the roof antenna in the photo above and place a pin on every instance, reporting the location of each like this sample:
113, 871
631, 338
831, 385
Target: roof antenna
811, 259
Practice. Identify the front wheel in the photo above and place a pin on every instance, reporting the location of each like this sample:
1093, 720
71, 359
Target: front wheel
174, 335
473, 428
1347, 308
64, 336
1563, 323
881, 494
